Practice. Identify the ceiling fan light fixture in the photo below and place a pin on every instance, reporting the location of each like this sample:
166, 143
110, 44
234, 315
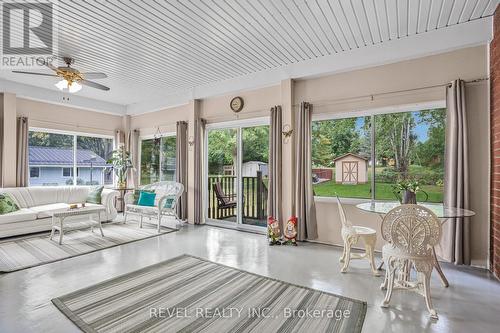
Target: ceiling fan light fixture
61, 85
74, 87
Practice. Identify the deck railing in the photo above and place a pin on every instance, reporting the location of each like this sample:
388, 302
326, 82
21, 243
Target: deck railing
254, 192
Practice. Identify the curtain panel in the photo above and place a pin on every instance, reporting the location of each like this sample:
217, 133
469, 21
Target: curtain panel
119, 139
181, 167
199, 132
455, 241
275, 159
22, 169
305, 210
133, 149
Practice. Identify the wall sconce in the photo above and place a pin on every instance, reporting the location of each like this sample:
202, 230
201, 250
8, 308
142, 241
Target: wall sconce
287, 133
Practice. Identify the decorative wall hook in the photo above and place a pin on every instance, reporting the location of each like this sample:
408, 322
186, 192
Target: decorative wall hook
287, 132
191, 141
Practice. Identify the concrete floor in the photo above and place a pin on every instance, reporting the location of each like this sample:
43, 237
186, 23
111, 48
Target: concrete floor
471, 303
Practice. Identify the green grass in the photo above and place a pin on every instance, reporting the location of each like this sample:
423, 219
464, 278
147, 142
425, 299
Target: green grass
383, 191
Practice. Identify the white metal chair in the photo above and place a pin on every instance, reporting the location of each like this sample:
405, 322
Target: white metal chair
411, 231
164, 191
351, 235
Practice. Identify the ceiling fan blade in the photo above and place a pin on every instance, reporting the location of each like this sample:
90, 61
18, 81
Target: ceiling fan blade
94, 85
94, 75
49, 65
33, 73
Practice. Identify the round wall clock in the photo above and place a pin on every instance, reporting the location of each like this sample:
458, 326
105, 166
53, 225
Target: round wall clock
236, 104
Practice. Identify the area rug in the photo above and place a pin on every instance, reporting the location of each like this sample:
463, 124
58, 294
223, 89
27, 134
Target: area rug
190, 294
33, 250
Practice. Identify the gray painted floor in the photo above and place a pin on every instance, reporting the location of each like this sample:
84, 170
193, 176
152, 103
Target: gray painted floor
471, 303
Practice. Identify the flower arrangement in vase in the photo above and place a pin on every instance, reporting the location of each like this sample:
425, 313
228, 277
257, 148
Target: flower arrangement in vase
406, 191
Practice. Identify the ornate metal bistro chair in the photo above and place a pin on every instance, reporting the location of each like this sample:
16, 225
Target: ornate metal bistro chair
411, 232
167, 196
351, 234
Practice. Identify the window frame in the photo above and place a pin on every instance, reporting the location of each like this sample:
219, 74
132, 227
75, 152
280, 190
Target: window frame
75, 135
150, 137
413, 107
70, 172
39, 171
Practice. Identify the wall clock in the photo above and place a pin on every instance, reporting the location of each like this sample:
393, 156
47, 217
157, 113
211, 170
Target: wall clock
236, 104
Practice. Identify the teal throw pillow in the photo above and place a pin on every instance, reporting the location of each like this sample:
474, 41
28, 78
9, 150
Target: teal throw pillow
169, 202
146, 199
7, 205
95, 194
137, 193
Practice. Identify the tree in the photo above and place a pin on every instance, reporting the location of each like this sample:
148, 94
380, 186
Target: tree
395, 139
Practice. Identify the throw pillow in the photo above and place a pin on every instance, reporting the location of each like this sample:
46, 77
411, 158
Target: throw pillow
137, 193
146, 199
95, 194
169, 202
7, 205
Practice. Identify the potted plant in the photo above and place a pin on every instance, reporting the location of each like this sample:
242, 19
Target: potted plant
121, 161
406, 191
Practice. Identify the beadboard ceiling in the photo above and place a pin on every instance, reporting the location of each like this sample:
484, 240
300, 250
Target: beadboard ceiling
156, 48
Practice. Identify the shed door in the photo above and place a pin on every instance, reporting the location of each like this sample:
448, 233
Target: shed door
350, 172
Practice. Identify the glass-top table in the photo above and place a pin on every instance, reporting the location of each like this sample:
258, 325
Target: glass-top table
441, 211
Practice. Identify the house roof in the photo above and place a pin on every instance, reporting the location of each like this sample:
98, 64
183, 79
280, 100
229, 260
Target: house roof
345, 155
63, 157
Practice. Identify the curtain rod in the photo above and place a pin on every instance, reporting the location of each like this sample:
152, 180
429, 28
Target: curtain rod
393, 92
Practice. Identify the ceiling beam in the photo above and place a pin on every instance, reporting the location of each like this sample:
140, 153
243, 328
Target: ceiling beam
54, 97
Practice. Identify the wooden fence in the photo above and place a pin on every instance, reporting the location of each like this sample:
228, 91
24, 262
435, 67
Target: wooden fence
254, 197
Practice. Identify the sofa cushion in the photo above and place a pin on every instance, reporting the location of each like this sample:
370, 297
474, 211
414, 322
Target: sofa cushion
23, 214
44, 211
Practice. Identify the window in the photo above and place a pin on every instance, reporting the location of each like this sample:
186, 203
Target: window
67, 172
34, 172
407, 146
158, 159
55, 153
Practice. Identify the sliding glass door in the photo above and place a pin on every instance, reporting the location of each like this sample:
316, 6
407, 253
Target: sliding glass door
236, 174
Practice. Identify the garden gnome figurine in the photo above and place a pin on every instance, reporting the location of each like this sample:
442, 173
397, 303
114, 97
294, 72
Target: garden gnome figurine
273, 231
290, 232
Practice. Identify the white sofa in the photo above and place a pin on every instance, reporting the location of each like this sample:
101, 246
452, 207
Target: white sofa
37, 202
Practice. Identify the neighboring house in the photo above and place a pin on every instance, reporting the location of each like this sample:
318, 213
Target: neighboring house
54, 166
351, 169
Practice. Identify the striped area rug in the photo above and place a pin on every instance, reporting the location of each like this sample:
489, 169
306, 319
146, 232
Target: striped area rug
34, 250
189, 294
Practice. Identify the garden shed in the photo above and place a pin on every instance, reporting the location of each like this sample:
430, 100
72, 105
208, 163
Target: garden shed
351, 169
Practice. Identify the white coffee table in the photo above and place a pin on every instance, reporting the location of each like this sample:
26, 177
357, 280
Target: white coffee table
62, 214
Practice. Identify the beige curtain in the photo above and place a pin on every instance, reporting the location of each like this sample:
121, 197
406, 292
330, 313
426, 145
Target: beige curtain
133, 149
199, 130
455, 242
22, 171
119, 139
181, 168
275, 157
305, 210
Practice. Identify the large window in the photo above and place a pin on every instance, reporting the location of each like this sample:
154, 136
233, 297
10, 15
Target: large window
56, 156
407, 146
158, 159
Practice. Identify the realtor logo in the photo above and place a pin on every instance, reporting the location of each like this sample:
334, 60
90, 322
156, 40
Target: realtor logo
28, 34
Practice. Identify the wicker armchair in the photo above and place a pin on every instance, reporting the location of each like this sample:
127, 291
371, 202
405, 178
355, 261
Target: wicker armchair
164, 191
411, 232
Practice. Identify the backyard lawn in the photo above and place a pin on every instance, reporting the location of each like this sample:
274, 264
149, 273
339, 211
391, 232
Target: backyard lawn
383, 191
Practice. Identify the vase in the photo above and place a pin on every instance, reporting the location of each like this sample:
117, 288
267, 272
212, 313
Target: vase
409, 197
